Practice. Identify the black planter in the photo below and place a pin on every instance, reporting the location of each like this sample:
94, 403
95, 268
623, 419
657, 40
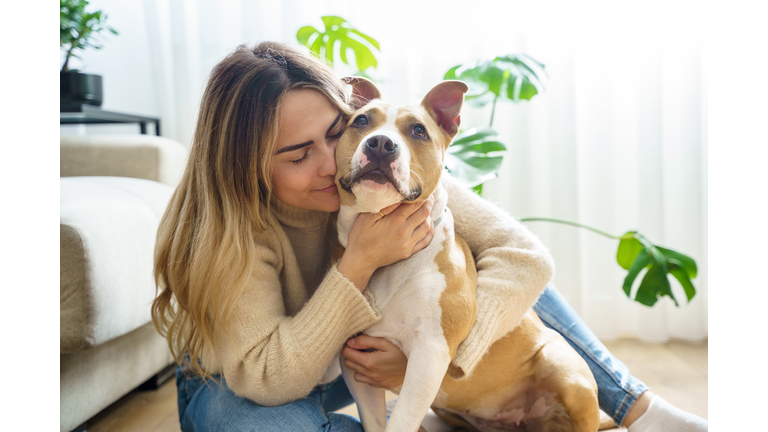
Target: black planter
78, 88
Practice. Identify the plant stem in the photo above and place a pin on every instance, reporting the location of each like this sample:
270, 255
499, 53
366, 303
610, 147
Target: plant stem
493, 110
66, 61
572, 223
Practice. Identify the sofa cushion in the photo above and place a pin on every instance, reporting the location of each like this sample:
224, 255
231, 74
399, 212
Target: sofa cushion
139, 156
107, 236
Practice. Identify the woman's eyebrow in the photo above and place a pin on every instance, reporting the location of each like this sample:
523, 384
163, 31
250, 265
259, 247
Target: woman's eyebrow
298, 146
294, 147
334, 122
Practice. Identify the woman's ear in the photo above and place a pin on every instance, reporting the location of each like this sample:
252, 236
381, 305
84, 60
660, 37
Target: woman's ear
363, 91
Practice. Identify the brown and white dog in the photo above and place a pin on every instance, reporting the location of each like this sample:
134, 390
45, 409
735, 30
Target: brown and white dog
531, 379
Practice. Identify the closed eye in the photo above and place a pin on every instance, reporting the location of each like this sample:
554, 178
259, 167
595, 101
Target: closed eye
337, 136
301, 159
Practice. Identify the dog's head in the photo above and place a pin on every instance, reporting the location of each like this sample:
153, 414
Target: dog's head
390, 154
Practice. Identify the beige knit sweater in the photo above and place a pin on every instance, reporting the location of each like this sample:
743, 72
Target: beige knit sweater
290, 323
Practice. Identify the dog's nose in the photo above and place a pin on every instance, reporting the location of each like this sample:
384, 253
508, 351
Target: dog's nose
381, 145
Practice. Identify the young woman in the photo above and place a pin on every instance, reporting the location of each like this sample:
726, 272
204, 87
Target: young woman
254, 309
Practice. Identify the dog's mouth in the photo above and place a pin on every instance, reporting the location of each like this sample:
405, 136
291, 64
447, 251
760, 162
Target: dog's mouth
372, 172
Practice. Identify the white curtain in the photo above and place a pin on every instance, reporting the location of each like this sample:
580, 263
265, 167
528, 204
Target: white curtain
617, 142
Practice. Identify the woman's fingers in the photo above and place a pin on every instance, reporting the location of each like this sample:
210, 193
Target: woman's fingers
362, 373
365, 342
407, 210
366, 380
427, 238
357, 367
387, 210
381, 364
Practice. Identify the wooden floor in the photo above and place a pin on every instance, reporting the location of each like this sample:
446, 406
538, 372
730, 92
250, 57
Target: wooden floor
677, 371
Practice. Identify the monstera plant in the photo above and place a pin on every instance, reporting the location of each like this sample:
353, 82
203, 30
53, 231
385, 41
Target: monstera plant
339, 32
475, 155
511, 77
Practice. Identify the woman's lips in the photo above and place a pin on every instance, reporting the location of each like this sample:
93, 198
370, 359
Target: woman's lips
331, 188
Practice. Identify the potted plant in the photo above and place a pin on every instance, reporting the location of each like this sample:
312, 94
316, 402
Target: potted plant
78, 29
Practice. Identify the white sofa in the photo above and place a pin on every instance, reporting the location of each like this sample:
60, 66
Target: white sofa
114, 190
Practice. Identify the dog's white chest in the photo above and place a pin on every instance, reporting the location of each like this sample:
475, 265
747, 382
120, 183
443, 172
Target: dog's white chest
408, 296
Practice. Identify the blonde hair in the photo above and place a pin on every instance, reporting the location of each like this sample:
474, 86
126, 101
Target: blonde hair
205, 242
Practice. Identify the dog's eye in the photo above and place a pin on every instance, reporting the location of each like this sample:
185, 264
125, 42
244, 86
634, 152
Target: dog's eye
360, 120
420, 130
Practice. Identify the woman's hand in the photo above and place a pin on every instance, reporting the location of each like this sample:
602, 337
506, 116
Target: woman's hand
381, 365
375, 241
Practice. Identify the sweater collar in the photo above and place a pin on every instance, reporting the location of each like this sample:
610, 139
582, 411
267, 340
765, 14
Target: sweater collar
297, 217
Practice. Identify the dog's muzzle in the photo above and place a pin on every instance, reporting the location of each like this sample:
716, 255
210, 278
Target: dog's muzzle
381, 153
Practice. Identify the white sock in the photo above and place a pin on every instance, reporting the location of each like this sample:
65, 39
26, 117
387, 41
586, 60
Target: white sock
662, 416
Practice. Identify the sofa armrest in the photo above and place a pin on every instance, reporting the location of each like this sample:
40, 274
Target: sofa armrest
107, 238
139, 156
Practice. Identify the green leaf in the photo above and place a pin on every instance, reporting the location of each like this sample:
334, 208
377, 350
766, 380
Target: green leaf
514, 84
466, 174
475, 156
473, 135
686, 262
305, 33
364, 58
535, 66
337, 29
494, 76
481, 147
520, 75
635, 248
329, 43
642, 260
653, 284
451, 74
480, 100
527, 89
343, 51
629, 248
482, 163
331, 20
682, 277
317, 45
370, 40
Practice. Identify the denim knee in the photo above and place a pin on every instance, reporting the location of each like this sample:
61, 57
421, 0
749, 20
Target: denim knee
213, 406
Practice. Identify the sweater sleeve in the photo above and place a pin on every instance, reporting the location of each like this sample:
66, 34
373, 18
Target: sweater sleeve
513, 268
272, 358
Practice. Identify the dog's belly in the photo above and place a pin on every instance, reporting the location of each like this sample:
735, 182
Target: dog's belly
530, 377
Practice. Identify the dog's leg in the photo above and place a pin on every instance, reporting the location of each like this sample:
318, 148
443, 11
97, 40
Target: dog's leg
371, 403
427, 363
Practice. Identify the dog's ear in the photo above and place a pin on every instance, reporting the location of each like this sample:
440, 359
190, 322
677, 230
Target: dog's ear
444, 102
363, 91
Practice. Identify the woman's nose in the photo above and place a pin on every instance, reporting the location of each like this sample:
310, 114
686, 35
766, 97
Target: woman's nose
328, 165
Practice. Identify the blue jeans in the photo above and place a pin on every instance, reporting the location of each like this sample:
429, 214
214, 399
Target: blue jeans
214, 407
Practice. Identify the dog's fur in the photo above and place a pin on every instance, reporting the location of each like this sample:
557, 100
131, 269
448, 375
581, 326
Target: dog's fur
531, 379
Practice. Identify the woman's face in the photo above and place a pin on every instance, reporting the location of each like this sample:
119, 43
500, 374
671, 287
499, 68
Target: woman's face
305, 161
